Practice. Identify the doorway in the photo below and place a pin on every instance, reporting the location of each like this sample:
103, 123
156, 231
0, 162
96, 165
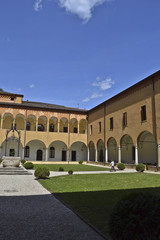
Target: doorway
63, 155
39, 155
73, 155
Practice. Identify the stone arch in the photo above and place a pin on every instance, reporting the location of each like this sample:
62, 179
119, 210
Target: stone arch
60, 153
31, 121
127, 149
63, 125
53, 124
78, 151
91, 151
42, 123
7, 121
112, 149
82, 126
20, 122
34, 146
100, 150
73, 125
146, 148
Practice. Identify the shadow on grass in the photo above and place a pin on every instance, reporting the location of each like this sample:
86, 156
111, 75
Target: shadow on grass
96, 207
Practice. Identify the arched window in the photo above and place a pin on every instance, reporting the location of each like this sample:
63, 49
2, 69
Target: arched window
28, 126
26, 152
51, 127
52, 152
40, 127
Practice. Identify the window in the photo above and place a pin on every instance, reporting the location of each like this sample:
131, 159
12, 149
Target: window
75, 130
40, 128
51, 127
111, 123
12, 99
124, 119
28, 126
90, 129
143, 113
65, 129
11, 152
26, 152
52, 152
100, 127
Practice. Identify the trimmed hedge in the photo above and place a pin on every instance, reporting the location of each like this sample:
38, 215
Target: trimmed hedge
41, 173
136, 217
70, 172
23, 161
121, 166
1, 160
80, 162
28, 165
140, 167
61, 169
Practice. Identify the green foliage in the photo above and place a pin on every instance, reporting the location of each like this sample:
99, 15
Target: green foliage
136, 215
28, 165
70, 172
1, 160
80, 162
1, 90
41, 173
121, 166
23, 161
61, 169
140, 167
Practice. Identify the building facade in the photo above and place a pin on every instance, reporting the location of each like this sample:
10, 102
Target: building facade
125, 128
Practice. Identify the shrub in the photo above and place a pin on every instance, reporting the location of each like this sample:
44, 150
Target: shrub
140, 167
41, 172
80, 162
28, 165
1, 160
23, 161
121, 166
136, 217
61, 169
70, 172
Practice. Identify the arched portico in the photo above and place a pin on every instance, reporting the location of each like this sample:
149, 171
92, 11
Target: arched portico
20, 122
100, 150
78, 151
91, 152
7, 121
37, 150
146, 148
57, 151
127, 150
112, 150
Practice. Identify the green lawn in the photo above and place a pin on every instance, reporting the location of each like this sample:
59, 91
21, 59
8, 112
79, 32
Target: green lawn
74, 167
93, 196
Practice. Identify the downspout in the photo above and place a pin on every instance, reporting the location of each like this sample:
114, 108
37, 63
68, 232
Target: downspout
87, 137
69, 140
25, 134
155, 120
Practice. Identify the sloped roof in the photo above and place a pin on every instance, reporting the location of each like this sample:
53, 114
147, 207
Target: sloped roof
10, 94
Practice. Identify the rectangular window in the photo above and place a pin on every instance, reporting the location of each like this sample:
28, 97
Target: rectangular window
143, 113
65, 129
100, 127
90, 129
11, 152
111, 123
125, 119
75, 130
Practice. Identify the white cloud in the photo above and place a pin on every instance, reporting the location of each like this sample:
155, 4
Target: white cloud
37, 5
86, 100
82, 8
104, 84
31, 86
96, 95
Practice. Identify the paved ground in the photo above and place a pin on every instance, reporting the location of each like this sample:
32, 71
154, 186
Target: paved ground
30, 212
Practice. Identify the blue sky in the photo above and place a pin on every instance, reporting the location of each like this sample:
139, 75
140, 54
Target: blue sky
77, 53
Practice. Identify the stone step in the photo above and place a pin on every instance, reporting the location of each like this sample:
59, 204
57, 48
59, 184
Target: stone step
14, 171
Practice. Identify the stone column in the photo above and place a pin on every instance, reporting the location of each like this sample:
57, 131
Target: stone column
58, 126
136, 154
78, 127
119, 154
106, 152
36, 125
158, 151
23, 149
46, 155
1, 123
96, 155
47, 125
0, 152
87, 154
68, 155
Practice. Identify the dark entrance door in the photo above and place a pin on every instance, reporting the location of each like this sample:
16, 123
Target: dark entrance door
101, 155
73, 155
63, 155
39, 155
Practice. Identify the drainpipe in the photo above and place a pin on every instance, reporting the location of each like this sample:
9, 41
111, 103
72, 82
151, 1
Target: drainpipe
87, 136
154, 119
25, 134
104, 134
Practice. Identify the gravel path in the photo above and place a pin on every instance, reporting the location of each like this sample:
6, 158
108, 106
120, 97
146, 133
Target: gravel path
30, 212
